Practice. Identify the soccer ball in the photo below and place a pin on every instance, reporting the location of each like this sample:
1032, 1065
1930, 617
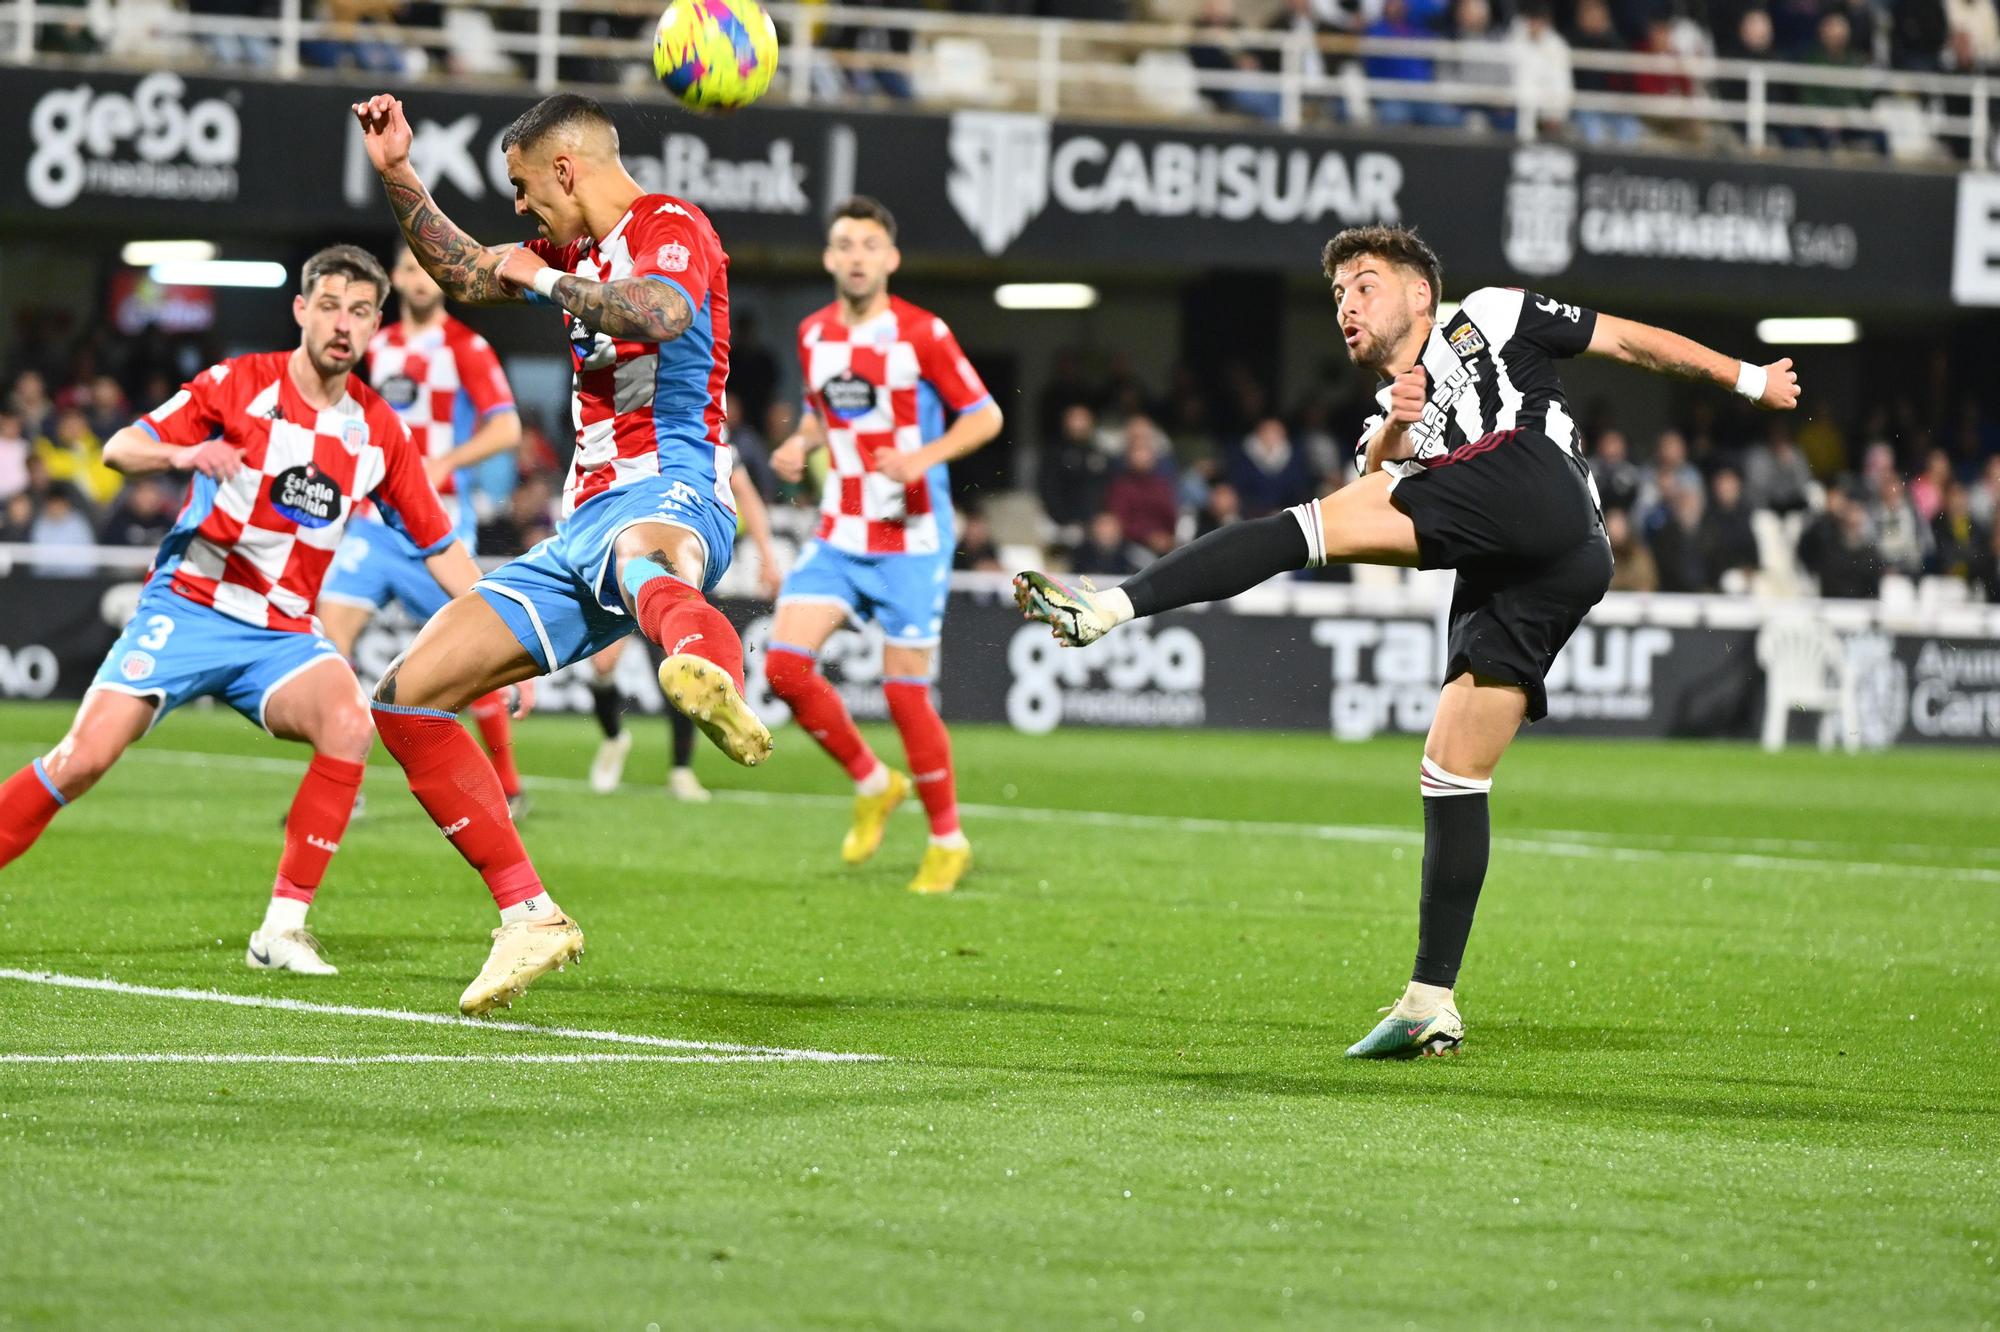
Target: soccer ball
715, 54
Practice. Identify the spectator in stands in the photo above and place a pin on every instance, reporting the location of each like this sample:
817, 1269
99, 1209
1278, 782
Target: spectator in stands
525, 521
1900, 538
105, 407
1918, 35
1775, 475
1727, 541
1140, 495
30, 404
1754, 39
1216, 49
1670, 470
880, 73
1927, 491
361, 37
1396, 22
61, 528
1594, 32
1268, 473
1074, 470
1221, 508
1619, 481
1957, 538
75, 456
1301, 18
976, 552
1544, 82
1632, 567
1677, 543
1660, 42
234, 49
1795, 26
1973, 43
1835, 49
1986, 569
1986, 494
1491, 68
1103, 549
143, 515
16, 515
14, 453
1837, 551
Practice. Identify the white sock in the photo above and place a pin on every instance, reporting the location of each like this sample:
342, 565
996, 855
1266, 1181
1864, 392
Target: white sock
1113, 604
540, 907
283, 913
876, 782
951, 841
1421, 1000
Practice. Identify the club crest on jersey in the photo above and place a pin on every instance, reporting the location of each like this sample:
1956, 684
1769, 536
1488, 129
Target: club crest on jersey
354, 435
306, 496
1466, 341
674, 257
848, 396
399, 391
136, 665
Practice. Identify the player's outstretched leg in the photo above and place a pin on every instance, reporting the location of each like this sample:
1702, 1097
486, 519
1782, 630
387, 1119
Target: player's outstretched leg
607, 769
1355, 525
322, 706
682, 784
794, 676
494, 715
464, 652
703, 671
1476, 720
106, 723
927, 745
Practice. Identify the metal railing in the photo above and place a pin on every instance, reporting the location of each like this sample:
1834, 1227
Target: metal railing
1067, 66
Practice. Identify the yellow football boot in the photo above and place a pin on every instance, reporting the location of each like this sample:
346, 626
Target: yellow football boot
871, 816
943, 867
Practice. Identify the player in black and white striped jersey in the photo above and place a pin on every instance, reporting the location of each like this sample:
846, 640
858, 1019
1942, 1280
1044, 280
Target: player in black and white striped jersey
1475, 464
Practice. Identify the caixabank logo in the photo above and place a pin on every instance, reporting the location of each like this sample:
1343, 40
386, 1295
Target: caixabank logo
151, 142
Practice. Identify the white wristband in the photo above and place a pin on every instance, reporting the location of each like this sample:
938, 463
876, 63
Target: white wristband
1750, 381
546, 279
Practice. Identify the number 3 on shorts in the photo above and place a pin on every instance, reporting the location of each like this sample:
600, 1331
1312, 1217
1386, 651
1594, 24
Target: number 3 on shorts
158, 628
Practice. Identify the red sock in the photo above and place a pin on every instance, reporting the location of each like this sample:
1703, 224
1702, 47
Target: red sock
28, 800
817, 708
313, 829
496, 728
928, 746
677, 617
457, 787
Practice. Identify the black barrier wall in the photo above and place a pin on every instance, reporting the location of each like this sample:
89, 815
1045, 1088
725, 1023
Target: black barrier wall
1349, 676
159, 154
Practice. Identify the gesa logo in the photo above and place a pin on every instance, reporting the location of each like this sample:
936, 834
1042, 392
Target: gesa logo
148, 144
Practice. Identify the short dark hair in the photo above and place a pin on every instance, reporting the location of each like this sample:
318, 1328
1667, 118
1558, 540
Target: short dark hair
347, 261
1401, 246
864, 209
553, 113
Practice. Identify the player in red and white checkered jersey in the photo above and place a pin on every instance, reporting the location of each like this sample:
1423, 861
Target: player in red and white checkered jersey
284, 445
880, 376
648, 525
445, 381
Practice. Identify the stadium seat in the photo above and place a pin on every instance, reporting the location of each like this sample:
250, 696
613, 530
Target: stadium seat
1938, 590
1806, 669
959, 69
1164, 81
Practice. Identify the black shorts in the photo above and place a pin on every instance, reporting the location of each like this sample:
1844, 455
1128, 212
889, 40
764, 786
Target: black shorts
1516, 520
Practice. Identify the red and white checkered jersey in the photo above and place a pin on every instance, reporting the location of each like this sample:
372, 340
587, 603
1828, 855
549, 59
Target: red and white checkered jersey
444, 381
644, 407
256, 547
882, 387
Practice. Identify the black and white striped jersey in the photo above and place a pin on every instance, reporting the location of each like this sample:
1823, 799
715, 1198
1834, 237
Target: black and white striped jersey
1492, 369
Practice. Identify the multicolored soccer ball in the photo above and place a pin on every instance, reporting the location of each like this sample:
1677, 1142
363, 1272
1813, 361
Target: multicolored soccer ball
715, 54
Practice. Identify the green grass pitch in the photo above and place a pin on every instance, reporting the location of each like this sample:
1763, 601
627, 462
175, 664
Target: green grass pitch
1731, 1057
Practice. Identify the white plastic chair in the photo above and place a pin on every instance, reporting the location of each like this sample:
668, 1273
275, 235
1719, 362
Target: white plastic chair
1806, 669
959, 69
1164, 81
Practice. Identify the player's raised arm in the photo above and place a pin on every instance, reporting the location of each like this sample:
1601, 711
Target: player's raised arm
1774, 386
467, 270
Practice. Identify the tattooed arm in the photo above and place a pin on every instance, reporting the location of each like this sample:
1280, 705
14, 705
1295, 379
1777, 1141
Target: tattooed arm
467, 270
1669, 353
636, 309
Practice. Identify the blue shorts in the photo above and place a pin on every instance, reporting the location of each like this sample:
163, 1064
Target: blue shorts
174, 650
375, 565
905, 594
561, 598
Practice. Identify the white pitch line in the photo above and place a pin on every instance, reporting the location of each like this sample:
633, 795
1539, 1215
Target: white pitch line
766, 1052
347, 1061
1746, 853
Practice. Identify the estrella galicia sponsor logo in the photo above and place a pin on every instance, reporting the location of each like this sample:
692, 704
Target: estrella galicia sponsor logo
1007, 168
399, 391
305, 495
849, 396
149, 143
1140, 676
136, 665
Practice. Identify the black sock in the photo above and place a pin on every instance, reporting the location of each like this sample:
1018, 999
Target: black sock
683, 730
609, 707
1457, 837
1228, 560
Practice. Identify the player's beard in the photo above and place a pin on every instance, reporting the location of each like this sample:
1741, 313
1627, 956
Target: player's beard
1376, 349
422, 312
328, 363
